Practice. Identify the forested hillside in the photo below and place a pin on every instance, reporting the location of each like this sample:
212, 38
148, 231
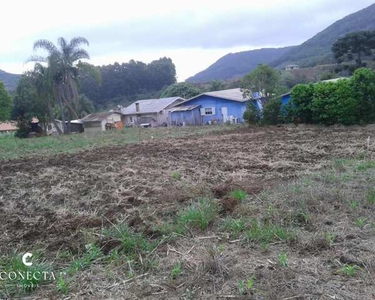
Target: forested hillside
10, 80
317, 50
126, 82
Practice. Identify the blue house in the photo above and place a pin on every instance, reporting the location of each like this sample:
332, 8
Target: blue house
212, 108
285, 99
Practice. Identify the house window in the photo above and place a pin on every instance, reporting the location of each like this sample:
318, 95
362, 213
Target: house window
131, 119
208, 111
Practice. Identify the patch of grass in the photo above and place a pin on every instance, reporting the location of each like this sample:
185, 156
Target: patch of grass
199, 215
26, 278
11, 147
361, 222
176, 271
92, 253
133, 244
176, 175
62, 285
365, 165
266, 233
349, 270
241, 287
234, 226
283, 259
370, 197
239, 195
329, 238
354, 204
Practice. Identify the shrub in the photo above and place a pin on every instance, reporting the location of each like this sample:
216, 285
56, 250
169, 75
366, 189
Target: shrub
272, 112
252, 115
301, 100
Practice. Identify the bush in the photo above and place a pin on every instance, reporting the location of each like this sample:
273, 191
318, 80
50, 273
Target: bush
301, 101
23, 128
272, 112
252, 115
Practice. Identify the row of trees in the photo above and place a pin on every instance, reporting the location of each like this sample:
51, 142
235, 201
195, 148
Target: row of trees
125, 82
347, 102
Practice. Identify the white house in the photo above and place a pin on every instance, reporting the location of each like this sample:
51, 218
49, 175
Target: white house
99, 122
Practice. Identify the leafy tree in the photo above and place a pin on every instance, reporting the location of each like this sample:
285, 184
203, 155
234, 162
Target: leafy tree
182, 89
5, 104
354, 46
263, 79
301, 101
27, 103
363, 82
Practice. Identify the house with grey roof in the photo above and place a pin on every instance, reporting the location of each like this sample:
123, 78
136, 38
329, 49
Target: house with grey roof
149, 112
216, 107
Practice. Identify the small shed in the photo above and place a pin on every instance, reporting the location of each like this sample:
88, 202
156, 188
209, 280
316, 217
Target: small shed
185, 116
100, 122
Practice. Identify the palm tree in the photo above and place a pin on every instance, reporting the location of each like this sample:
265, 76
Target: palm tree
62, 62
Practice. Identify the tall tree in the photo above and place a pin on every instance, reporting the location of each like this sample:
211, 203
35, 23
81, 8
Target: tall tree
62, 61
263, 79
5, 104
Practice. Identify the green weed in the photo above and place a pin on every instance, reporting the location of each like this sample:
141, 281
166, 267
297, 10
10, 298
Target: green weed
239, 195
283, 259
176, 271
350, 270
176, 175
361, 222
62, 285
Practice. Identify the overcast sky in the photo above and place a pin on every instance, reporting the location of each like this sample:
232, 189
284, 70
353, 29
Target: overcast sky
193, 33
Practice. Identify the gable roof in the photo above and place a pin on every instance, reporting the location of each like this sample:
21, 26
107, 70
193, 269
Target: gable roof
98, 117
231, 94
150, 106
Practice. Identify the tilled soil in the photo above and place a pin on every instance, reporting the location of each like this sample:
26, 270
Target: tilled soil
48, 202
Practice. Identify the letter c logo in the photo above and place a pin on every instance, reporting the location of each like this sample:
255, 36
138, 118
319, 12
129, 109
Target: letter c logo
24, 259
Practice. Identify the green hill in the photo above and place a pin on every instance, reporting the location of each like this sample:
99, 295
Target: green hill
238, 64
314, 51
317, 50
10, 80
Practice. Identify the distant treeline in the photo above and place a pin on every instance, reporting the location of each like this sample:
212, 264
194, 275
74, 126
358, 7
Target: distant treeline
126, 82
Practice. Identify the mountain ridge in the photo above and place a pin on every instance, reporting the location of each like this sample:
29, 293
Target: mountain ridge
10, 80
314, 51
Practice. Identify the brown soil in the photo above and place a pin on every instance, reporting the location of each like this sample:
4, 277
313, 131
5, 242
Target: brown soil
51, 202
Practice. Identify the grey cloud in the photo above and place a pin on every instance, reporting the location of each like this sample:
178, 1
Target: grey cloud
290, 26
